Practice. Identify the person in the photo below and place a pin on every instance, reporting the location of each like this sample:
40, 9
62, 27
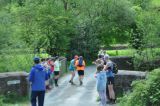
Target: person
57, 65
101, 84
72, 68
37, 78
51, 68
99, 61
80, 66
102, 52
48, 71
110, 82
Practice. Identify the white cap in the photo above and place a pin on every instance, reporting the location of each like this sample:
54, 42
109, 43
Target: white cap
106, 57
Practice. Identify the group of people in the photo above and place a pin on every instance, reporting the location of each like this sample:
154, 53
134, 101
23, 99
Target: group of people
42, 73
46, 71
105, 79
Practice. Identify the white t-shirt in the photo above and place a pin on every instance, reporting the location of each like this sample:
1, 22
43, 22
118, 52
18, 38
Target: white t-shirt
57, 65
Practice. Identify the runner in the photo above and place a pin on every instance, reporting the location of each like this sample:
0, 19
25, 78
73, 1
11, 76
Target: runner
37, 78
72, 69
80, 66
57, 66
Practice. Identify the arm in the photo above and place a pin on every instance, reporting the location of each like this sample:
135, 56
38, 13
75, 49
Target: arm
84, 63
76, 63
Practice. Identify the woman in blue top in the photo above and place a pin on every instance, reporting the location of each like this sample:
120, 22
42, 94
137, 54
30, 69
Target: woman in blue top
72, 68
110, 79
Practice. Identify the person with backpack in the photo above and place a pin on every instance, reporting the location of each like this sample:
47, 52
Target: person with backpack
80, 66
72, 68
110, 81
37, 78
111, 71
101, 84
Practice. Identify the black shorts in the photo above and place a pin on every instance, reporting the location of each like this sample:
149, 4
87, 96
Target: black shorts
80, 72
110, 80
56, 72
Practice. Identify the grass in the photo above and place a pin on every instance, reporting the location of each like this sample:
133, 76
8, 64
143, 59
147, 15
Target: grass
125, 52
14, 100
16, 62
156, 3
132, 52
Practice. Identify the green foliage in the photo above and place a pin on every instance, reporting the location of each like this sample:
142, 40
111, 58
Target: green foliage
12, 99
145, 92
69, 27
125, 52
16, 62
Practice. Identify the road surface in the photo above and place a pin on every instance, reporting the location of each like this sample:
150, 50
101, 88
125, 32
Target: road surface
74, 95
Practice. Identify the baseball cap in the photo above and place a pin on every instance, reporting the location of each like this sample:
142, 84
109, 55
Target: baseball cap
106, 56
36, 59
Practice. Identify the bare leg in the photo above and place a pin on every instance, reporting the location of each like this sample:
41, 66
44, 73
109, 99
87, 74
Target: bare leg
73, 75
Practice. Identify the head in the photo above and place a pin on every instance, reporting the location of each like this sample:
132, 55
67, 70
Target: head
36, 60
109, 65
100, 56
76, 57
106, 57
100, 68
43, 60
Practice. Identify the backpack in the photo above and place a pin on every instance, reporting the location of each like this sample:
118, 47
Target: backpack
115, 68
80, 63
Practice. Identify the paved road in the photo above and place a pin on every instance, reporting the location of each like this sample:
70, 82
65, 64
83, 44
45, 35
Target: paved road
69, 95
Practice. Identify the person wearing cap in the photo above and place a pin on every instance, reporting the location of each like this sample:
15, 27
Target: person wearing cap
37, 78
72, 68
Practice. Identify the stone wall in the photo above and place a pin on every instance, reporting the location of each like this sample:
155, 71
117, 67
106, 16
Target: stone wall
14, 82
123, 62
124, 79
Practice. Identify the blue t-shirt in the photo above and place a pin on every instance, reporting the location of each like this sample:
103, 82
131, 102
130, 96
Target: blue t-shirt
72, 65
101, 81
110, 73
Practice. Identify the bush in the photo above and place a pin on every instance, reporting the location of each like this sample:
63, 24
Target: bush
15, 62
148, 60
12, 99
145, 92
